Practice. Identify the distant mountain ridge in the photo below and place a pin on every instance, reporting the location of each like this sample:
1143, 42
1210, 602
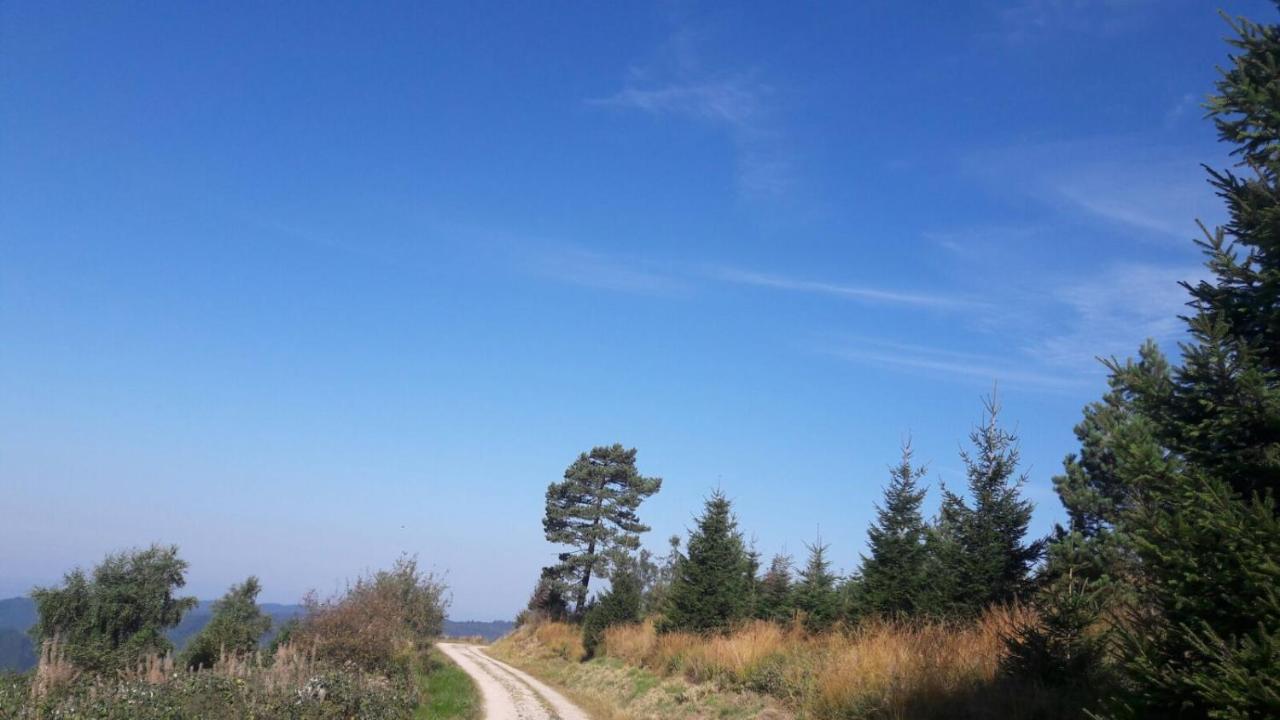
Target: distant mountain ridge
17, 615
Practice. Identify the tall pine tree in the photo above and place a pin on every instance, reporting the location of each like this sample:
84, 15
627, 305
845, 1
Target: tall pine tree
712, 584
593, 510
892, 577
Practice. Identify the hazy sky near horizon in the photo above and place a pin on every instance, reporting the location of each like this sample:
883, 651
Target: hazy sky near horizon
302, 286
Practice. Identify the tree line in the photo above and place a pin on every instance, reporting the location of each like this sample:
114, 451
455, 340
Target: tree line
973, 554
1161, 593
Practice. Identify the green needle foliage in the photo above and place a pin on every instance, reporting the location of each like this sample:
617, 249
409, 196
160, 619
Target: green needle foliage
593, 510
110, 620
893, 576
1172, 498
775, 598
978, 553
234, 629
1066, 645
816, 595
621, 604
712, 585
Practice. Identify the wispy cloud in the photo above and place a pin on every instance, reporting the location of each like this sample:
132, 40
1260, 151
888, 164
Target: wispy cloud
969, 367
1113, 312
849, 292
577, 266
733, 101
1027, 19
1055, 342
1156, 190
678, 85
1179, 109
984, 239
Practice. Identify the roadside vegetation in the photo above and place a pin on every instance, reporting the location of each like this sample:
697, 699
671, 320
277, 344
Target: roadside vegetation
611, 689
448, 693
366, 652
1160, 598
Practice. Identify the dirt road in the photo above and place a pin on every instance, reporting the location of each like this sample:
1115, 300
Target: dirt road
510, 694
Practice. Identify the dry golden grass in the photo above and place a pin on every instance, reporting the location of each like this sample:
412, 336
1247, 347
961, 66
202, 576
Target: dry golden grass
562, 639
875, 670
611, 689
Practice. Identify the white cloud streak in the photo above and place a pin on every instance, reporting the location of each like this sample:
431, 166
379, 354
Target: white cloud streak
1158, 191
601, 271
1112, 313
969, 367
678, 86
848, 292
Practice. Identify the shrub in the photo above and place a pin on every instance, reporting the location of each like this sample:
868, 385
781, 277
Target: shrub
381, 623
621, 604
119, 614
234, 629
1065, 643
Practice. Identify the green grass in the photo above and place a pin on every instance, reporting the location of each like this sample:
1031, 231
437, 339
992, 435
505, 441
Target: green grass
448, 692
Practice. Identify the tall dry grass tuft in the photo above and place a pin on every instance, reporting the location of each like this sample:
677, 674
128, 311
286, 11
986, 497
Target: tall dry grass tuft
151, 669
878, 669
53, 669
562, 639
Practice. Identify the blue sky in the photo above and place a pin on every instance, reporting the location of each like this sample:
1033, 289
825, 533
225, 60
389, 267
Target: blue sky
302, 286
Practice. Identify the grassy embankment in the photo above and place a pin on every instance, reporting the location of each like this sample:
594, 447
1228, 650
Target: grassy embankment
610, 689
875, 670
447, 692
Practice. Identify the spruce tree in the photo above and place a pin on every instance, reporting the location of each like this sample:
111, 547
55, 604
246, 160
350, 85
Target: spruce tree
593, 510
713, 580
655, 594
234, 630
997, 560
816, 595
619, 605
943, 595
892, 578
977, 554
1064, 645
776, 599
1198, 461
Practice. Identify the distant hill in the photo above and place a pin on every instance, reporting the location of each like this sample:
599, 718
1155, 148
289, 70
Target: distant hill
16, 651
17, 615
490, 631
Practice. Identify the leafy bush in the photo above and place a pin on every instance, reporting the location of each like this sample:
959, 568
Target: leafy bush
381, 623
118, 616
234, 629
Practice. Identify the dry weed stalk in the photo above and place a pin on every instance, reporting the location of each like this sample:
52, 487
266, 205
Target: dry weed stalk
53, 669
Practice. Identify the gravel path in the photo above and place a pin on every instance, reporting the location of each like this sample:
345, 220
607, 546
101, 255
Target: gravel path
510, 694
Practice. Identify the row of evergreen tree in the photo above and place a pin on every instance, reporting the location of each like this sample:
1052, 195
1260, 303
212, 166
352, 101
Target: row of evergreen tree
972, 555
1163, 591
